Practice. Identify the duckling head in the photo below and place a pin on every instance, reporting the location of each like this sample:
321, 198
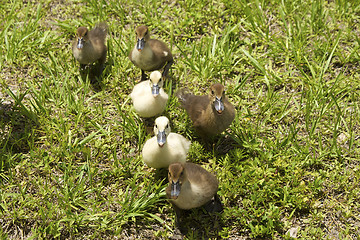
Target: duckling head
82, 36
176, 177
142, 35
156, 82
162, 130
217, 94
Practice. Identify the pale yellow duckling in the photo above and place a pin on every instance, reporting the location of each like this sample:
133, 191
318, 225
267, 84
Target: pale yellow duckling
150, 54
212, 114
165, 147
89, 46
149, 98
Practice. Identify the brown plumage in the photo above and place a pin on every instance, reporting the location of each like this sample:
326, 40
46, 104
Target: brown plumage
190, 185
89, 46
150, 54
212, 114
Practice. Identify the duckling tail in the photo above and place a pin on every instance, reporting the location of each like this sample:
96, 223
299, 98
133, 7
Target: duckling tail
183, 95
100, 30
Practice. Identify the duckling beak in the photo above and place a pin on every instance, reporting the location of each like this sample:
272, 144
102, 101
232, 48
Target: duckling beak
155, 90
219, 105
161, 138
140, 44
175, 189
80, 43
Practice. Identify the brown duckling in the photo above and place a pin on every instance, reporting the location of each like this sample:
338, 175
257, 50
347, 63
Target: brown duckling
190, 185
89, 46
212, 114
150, 54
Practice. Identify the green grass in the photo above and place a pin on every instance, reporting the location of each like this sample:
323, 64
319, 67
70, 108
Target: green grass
70, 151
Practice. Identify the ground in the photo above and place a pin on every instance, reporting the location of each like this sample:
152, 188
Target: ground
70, 144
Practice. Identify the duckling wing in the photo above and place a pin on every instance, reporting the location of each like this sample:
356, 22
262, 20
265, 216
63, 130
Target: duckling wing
196, 107
200, 177
185, 143
180, 146
160, 50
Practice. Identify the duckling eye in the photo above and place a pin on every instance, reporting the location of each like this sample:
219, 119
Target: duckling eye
156, 125
224, 92
212, 91
167, 126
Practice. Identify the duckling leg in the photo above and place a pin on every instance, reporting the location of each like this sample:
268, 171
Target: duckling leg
178, 215
102, 64
143, 75
82, 67
166, 68
179, 222
214, 205
99, 70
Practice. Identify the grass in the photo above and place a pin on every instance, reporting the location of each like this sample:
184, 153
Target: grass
70, 151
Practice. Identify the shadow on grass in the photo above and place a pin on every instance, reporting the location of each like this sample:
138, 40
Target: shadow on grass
219, 146
16, 134
17, 129
95, 73
199, 224
224, 144
17, 228
161, 174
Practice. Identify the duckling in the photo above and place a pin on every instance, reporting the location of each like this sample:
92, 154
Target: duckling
165, 147
149, 98
212, 114
150, 54
89, 46
190, 185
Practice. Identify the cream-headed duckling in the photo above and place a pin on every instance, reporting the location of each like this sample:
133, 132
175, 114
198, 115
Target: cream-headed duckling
190, 185
149, 98
165, 147
150, 54
211, 114
89, 46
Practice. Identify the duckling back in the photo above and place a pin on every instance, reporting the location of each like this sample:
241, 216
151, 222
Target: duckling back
98, 33
194, 105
